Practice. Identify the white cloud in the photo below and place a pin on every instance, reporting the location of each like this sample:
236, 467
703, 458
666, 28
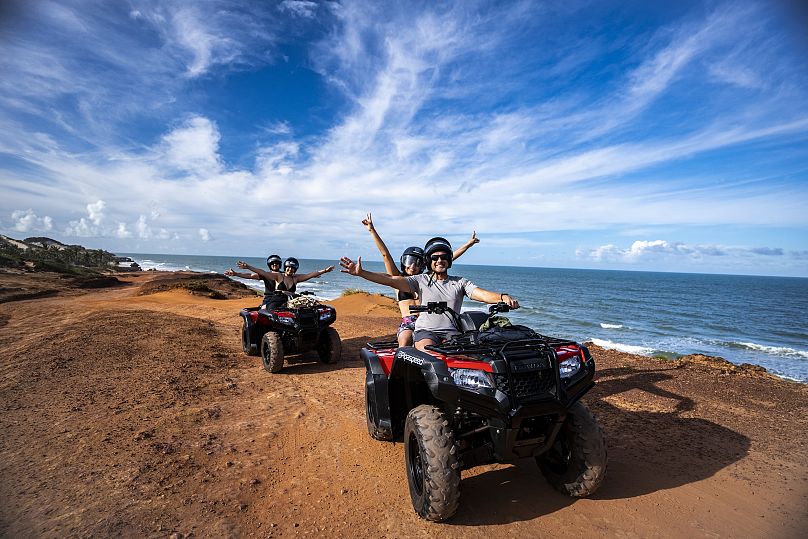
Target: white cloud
204, 235
650, 250
143, 230
82, 228
28, 221
301, 8
122, 231
96, 211
193, 147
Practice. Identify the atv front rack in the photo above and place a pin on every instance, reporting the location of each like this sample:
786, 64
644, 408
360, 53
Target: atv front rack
468, 343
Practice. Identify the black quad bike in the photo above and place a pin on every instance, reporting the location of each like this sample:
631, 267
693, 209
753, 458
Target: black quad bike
497, 395
277, 334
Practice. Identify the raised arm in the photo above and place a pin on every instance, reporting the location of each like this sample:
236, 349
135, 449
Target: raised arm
465, 247
355, 268
271, 275
230, 273
312, 275
389, 264
486, 296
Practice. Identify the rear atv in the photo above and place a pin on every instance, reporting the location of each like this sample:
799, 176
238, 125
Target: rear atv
285, 333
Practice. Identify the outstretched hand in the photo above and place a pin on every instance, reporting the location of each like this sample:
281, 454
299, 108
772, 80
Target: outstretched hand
368, 222
229, 272
474, 239
329, 268
242, 265
349, 266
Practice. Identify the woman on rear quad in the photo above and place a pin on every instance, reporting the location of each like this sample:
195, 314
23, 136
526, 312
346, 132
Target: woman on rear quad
411, 263
274, 265
286, 282
437, 285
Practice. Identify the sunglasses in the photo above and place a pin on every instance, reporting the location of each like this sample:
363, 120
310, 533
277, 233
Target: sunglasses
435, 258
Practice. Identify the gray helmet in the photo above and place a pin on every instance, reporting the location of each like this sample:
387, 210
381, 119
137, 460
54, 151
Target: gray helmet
407, 256
437, 244
274, 259
291, 262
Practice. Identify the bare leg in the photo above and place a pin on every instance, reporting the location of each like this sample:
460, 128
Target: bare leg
405, 338
423, 343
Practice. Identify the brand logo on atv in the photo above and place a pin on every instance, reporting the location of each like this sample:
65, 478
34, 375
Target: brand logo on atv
412, 359
530, 365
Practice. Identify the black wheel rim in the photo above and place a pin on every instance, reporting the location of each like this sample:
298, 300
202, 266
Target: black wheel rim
415, 466
558, 458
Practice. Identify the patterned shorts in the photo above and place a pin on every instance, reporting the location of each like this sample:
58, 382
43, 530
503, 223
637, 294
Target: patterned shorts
408, 322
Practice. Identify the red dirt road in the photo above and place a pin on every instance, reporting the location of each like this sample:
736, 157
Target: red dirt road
138, 416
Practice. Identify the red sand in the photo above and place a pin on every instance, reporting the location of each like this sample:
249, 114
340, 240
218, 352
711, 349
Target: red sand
140, 416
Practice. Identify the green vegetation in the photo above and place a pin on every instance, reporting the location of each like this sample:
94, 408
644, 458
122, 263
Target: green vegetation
45, 254
352, 291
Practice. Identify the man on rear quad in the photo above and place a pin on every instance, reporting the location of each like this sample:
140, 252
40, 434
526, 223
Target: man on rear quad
437, 285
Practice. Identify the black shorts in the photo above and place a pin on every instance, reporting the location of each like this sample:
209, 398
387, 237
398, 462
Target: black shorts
435, 335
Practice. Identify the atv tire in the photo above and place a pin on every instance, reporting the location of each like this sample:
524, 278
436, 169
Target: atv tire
372, 416
246, 339
576, 463
330, 346
433, 470
272, 352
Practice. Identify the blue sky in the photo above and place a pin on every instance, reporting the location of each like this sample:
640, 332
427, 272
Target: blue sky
614, 135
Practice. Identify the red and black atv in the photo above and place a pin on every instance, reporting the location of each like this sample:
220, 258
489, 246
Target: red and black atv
277, 334
497, 395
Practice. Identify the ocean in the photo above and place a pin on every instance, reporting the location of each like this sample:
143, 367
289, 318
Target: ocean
744, 319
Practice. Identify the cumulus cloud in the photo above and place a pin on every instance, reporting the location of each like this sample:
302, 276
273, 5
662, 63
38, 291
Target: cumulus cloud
28, 221
96, 211
82, 228
143, 229
193, 147
204, 235
122, 231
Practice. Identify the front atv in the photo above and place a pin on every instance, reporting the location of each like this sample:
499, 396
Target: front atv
484, 396
276, 335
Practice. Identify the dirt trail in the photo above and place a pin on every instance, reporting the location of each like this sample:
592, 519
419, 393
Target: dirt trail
139, 416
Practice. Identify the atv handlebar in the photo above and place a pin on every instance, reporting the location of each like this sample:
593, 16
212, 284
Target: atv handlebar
440, 307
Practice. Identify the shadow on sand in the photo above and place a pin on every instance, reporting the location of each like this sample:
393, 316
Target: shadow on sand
309, 363
653, 445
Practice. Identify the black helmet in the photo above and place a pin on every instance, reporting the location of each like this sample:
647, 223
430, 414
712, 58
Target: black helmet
408, 255
437, 244
291, 262
273, 259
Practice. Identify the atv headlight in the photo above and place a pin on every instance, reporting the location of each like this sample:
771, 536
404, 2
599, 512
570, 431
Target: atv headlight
286, 320
471, 378
570, 366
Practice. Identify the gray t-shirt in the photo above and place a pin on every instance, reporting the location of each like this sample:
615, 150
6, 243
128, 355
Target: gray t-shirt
450, 290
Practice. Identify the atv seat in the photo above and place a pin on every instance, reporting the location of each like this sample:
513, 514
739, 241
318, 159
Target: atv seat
472, 320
